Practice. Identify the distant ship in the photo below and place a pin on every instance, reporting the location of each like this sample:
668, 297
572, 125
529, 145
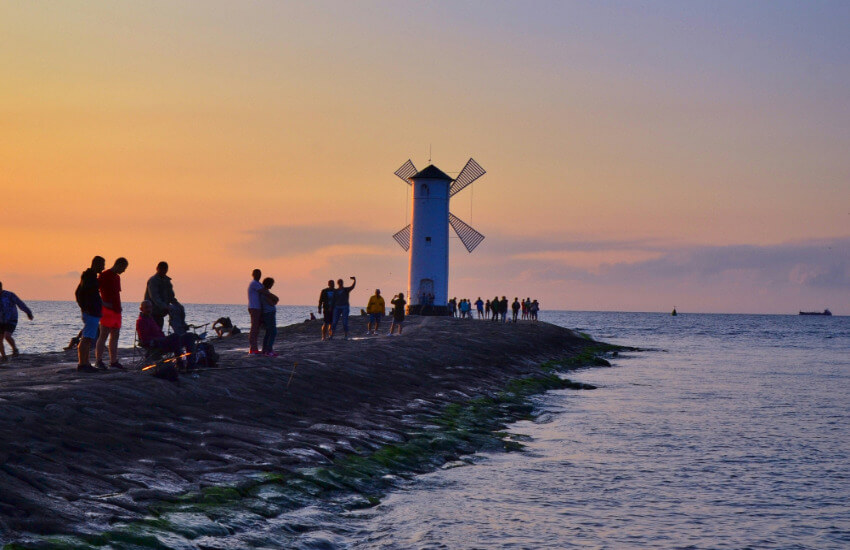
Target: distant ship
824, 312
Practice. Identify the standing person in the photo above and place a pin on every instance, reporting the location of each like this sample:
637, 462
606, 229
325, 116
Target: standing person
503, 309
109, 282
255, 310
515, 307
160, 292
269, 303
376, 309
453, 306
487, 309
479, 306
398, 312
91, 308
494, 306
341, 306
9, 304
535, 307
326, 306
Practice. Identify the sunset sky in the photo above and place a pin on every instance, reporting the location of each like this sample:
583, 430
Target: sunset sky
639, 155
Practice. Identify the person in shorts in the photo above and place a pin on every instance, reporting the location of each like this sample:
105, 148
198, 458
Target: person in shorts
91, 308
110, 317
326, 307
9, 304
376, 309
398, 303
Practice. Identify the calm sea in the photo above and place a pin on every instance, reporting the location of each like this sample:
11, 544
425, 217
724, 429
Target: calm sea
731, 431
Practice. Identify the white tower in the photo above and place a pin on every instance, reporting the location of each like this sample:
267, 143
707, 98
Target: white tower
427, 236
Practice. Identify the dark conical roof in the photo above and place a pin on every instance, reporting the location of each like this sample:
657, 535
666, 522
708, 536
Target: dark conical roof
431, 173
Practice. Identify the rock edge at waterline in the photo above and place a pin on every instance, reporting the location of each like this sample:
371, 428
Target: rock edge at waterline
82, 451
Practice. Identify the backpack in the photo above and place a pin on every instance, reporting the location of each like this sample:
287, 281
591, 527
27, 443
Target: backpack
205, 356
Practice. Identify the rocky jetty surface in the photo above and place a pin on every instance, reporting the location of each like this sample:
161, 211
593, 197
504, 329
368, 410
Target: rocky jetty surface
82, 452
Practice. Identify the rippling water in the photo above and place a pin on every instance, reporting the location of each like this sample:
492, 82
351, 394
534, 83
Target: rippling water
731, 431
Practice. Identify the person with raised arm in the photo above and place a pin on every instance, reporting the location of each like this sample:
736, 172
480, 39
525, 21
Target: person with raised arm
341, 306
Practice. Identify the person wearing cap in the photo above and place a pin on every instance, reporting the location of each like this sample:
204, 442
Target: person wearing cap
376, 309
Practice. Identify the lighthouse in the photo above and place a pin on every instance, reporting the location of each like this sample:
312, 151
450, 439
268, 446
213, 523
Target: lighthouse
426, 239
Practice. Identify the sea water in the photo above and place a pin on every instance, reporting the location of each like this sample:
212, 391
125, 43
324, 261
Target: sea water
730, 431
55, 323
727, 431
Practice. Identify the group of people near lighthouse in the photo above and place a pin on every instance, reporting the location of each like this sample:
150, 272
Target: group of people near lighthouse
98, 296
335, 305
496, 309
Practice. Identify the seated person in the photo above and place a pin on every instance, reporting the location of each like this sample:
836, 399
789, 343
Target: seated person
151, 336
224, 327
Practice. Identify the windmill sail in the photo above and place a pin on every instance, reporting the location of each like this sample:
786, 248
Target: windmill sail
403, 238
468, 236
407, 169
471, 172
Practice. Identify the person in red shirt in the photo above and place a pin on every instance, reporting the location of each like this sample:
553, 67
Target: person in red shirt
109, 282
151, 336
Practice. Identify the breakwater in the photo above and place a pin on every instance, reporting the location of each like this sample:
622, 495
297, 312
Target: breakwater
83, 453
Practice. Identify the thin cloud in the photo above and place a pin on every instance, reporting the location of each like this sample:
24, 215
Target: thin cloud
283, 241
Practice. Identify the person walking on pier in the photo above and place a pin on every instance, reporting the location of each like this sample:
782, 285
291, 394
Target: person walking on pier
398, 303
160, 292
9, 304
341, 305
109, 282
326, 306
91, 308
376, 308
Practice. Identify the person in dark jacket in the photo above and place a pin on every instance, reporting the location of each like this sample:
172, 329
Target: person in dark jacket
326, 307
88, 298
160, 292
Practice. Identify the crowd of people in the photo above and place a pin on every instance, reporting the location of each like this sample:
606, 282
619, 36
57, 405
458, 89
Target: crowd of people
98, 296
496, 309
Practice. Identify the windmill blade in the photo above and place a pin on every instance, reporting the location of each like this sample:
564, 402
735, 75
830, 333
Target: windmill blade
407, 169
403, 238
471, 172
468, 236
